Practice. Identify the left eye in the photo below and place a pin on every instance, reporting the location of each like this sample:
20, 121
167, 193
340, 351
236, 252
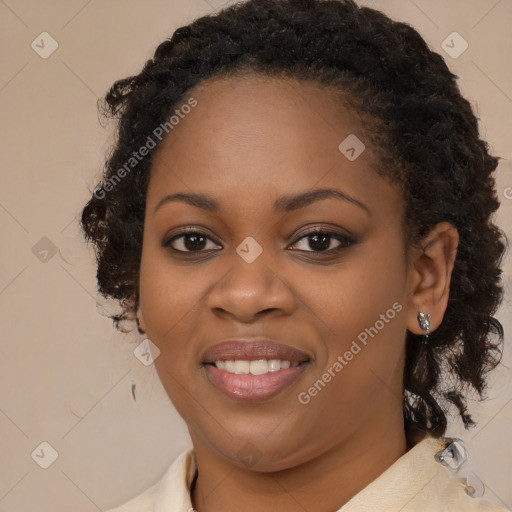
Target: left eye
320, 241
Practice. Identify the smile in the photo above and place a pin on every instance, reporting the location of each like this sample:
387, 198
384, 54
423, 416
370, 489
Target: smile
253, 369
251, 387
257, 367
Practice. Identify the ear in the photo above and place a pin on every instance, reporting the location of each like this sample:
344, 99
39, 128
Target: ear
431, 267
140, 321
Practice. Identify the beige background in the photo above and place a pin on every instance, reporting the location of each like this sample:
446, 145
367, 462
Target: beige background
66, 375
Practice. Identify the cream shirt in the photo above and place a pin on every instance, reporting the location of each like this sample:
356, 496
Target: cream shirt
416, 482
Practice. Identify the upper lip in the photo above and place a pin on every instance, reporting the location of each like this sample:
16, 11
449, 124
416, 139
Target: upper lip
250, 349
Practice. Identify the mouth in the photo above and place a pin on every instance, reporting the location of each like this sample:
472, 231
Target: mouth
253, 369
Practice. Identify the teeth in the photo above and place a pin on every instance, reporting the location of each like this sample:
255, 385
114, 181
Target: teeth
274, 365
243, 367
257, 367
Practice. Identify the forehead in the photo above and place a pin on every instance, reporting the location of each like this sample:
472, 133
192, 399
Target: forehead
252, 110
251, 133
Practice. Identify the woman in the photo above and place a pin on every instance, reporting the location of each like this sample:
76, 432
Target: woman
298, 215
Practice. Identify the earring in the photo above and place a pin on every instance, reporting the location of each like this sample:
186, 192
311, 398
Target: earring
424, 323
141, 331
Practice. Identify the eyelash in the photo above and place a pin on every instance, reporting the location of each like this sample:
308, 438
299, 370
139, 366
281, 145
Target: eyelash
344, 240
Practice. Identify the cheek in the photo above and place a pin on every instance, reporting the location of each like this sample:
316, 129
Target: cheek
353, 296
363, 305
169, 296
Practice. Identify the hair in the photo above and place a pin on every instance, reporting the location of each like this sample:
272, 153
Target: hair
423, 131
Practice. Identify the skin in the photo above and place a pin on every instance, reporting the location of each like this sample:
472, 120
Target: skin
249, 141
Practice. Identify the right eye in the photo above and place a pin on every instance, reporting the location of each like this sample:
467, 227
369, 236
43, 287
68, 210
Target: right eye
188, 241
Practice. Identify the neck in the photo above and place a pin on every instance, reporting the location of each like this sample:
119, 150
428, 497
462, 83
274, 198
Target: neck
323, 484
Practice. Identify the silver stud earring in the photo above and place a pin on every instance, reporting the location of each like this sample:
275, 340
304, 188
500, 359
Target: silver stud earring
424, 323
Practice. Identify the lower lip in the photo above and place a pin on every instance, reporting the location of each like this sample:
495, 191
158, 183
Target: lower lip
253, 387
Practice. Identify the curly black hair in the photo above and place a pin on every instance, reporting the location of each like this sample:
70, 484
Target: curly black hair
424, 133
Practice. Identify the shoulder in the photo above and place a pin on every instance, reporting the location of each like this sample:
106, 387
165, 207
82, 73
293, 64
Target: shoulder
170, 493
418, 482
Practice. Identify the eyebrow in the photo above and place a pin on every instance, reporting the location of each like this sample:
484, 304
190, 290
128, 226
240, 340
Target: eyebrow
282, 204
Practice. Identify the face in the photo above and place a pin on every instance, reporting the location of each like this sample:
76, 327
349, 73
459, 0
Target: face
325, 277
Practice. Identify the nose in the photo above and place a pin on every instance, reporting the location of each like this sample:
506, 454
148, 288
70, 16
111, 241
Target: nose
247, 291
